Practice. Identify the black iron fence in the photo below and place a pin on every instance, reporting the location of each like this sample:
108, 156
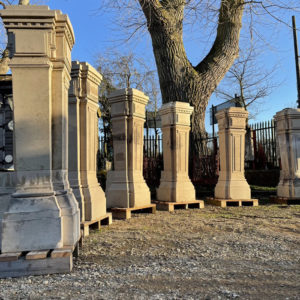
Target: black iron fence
261, 154
264, 146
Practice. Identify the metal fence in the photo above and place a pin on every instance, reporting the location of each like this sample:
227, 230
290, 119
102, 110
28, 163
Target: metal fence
264, 145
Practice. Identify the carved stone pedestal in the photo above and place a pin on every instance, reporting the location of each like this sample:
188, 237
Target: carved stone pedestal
175, 184
126, 187
42, 212
288, 135
232, 183
83, 146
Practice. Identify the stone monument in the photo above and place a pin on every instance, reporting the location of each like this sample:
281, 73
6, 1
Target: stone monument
126, 187
83, 143
175, 184
42, 212
232, 187
288, 136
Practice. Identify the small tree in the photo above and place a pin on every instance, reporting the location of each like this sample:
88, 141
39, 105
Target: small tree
248, 79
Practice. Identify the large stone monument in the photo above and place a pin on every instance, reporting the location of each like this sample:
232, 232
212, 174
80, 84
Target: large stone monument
288, 136
232, 187
42, 212
175, 184
126, 187
83, 144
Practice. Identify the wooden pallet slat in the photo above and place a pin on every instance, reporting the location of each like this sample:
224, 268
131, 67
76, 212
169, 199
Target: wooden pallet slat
285, 200
171, 206
125, 213
95, 224
5, 257
232, 202
33, 255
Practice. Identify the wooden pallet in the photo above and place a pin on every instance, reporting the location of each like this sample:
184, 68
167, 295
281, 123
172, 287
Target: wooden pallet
40, 262
95, 224
231, 202
171, 206
125, 213
285, 200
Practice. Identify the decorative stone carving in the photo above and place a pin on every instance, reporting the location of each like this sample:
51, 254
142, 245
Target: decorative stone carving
175, 184
83, 143
42, 212
288, 136
126, 186
232, 183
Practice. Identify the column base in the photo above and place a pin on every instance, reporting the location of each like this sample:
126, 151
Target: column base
94, 202
233, 189
32, 223
288, 188
123, 193
176, 191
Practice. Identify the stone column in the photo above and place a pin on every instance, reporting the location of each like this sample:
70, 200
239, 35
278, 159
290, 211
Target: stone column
75, 92
288, 136
64, 38
232, 183
126, 187
35, 218
175, 184
85, 80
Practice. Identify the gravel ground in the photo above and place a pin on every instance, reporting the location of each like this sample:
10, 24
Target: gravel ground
213, 253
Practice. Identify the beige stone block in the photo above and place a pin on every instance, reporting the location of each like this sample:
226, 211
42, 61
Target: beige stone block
232, 183
83, 144
126, 187
288, 136
175, 184
42, 212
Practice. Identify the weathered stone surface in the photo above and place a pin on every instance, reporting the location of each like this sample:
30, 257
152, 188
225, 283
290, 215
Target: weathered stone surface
288, 136
42, 212
175, 184
232, 183
126, 186
83, 143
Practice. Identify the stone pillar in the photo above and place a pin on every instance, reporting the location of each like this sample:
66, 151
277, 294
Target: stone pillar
64, 38
126, 187
36, 215
232, 183
288, 136
84, 128
175, 184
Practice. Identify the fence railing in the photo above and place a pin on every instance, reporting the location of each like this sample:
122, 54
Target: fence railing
264, 145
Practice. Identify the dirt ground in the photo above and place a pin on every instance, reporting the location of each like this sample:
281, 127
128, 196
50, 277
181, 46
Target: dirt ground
212, 253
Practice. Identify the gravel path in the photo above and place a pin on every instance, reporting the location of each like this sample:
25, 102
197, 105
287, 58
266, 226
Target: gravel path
213, 253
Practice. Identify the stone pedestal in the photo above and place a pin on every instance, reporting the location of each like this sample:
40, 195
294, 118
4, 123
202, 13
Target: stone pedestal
175, 184
126, 187
288, 136
83, 143
40, 214
232, 183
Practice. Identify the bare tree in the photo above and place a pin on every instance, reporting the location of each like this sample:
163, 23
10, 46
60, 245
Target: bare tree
125, 71
248, 79
164, 19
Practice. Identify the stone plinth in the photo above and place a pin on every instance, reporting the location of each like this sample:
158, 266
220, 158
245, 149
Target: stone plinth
38, 216
83, 143
126, 187
288, 136
175, 184
232, 183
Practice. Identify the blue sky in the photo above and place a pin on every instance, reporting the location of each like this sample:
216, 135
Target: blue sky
94, 33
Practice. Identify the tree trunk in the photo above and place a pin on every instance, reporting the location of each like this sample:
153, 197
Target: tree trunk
179, 80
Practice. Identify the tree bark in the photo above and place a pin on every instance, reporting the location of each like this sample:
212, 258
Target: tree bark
179, 80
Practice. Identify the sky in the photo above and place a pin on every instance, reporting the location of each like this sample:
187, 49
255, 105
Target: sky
95, 33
